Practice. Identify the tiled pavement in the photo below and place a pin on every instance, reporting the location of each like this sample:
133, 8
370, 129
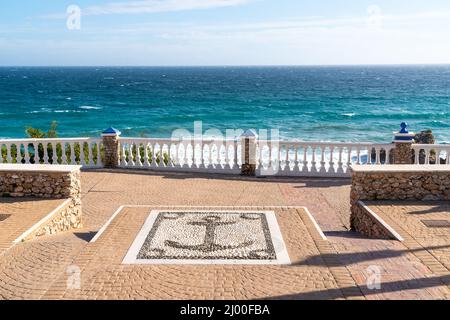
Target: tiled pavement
322, 269
431, 245
17, 216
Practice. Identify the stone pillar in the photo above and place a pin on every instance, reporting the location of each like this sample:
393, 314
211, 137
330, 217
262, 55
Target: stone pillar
111, 147
403, 140
248, 153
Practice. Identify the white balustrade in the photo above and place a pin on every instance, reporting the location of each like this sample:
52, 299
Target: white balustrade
427, 154
285, 158
74, 151
180, 155
278, 158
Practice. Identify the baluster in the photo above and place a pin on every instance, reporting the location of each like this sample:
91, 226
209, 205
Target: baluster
73, 159
123, 155
388, 152
131, 160
281, 164
83, 154
99, 154
377, 156
64, 152
18, 153
369, 155
296, 167
438, 156
313, 159
160, 155
36, 153
176, 161
44, 148
186, 155
54, 152
358, 155
207, 149
305, 158
8, 153
14, 158
322, 160
340, 168
210, 156
235, 155
349, 159
427, 156
221, 158
90, 154
163, 163
170, 155
331, 169
287, 166
138, 154
201, 163
417, 156
228, 165
270, 163
146, 159
27, 152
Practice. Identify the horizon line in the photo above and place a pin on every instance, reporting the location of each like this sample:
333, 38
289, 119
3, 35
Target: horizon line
226, 66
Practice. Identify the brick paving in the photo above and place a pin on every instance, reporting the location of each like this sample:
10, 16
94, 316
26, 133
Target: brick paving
333, 269
20, 215
431, 245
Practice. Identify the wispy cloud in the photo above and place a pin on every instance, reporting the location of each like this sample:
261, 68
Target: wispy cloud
153, 6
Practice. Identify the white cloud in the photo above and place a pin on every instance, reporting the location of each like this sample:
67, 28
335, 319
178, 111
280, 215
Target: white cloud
153, 6
404, 38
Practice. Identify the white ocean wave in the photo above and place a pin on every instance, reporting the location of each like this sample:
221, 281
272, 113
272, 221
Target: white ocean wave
90, 108
68, 111
349, 114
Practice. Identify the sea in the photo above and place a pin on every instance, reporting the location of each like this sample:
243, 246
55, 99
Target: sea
346, 104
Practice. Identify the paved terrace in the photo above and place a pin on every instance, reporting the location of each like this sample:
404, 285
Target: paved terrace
334, 269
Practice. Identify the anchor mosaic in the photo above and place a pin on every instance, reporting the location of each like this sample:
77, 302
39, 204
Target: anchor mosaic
242, 236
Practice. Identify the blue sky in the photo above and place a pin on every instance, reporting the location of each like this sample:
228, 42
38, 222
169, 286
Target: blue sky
226, 32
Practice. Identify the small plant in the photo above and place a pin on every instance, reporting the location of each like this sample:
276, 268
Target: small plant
165, 158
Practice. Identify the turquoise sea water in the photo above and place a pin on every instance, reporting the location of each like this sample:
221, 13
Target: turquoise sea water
305, 103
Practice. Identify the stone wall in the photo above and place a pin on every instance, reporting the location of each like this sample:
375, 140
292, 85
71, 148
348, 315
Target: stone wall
63, 219
414, 185
362, 221
42, 181
394, 182
40, 184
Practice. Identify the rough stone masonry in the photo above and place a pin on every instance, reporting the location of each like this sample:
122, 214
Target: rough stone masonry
396, 182
46, 181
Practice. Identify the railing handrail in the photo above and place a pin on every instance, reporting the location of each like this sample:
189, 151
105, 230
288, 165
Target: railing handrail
338, 144
48, 140
284, 157
431, 146
171, 140
208, 140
